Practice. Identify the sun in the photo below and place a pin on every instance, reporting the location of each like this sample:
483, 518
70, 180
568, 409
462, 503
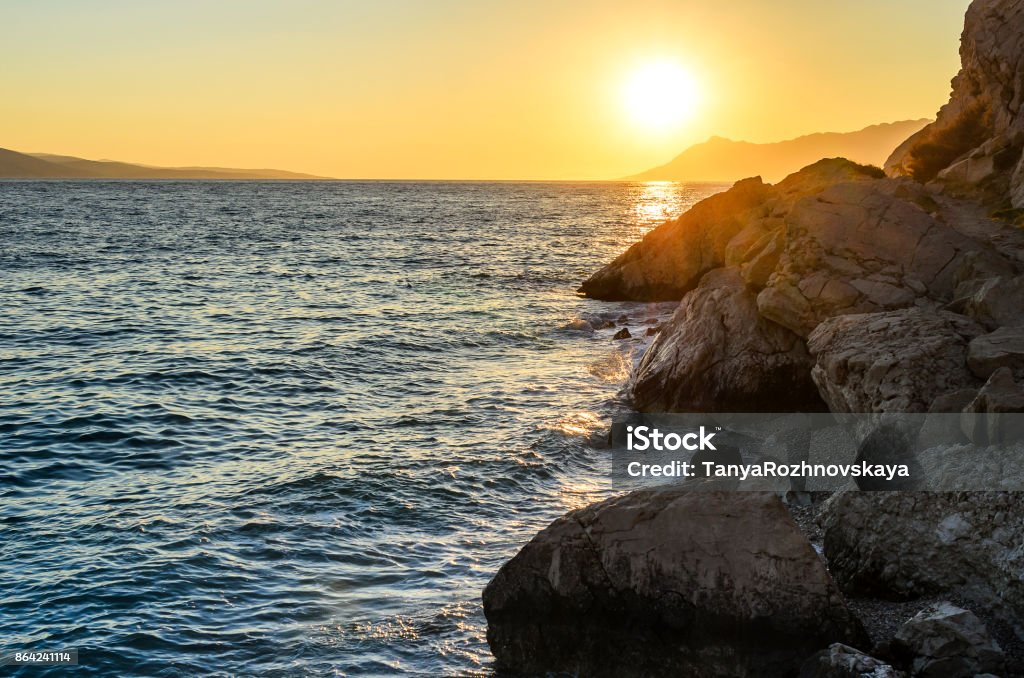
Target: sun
660, 96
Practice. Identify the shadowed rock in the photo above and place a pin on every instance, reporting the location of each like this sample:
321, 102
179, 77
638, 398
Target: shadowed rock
898, 361
904, 545
995, 302
888, 445
843, 661
667, 582
1000, 394
983, 419
1002, 348
718, 354
945, 641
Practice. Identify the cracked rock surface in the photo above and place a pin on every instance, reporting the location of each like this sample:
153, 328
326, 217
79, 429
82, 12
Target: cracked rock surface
904, 545
898, 361
718, 354
830, 241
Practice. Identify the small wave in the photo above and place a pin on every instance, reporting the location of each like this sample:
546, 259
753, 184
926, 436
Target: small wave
104, 436
578, 325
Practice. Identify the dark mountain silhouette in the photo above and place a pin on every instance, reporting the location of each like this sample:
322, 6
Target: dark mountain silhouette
14, 165
719, 159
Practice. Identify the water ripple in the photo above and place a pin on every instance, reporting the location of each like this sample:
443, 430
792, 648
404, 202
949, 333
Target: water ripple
257, 428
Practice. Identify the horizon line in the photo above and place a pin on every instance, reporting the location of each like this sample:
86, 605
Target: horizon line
314, 177
322, 180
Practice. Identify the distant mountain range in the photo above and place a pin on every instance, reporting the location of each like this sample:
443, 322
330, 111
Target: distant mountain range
14, 165
717, 159
725, 160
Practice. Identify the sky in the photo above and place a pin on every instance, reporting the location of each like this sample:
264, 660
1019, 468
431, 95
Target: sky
457, 89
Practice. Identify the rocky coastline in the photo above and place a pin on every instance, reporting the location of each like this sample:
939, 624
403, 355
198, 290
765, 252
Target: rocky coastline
847, 289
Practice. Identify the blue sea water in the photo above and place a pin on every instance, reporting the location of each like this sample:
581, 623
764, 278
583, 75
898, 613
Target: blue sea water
289, 429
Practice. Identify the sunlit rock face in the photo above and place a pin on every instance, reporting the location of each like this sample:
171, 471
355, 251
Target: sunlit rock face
830, 239
667, 582
974, 146
859, 248
717, 231
670, 260
760, 267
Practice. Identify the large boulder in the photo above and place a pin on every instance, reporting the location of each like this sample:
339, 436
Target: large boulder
868, 246
726, 228
974, 145
839, 256
903, 545
718, 354
833, 238
946, 641
897, 361
671, 259
667, 582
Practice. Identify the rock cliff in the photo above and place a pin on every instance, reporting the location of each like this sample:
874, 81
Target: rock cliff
974, 146
845, 288
761, 269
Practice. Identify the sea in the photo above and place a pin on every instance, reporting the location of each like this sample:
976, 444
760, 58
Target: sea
294, 428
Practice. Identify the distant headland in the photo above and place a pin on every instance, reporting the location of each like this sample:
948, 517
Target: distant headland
719, 159
14, 165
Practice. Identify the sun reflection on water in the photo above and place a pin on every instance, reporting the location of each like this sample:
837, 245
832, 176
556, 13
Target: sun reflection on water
577, 494
659, 201
578, 424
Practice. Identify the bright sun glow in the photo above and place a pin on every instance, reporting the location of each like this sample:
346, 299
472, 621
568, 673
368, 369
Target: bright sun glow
660, 96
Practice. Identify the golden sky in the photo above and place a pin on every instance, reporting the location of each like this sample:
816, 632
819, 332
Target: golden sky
467, 89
